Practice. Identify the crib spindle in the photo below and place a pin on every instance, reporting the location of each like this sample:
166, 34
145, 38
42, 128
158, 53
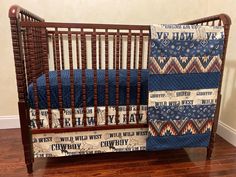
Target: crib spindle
62, 52
38, 58
135, 51
34, 77
94, 64
121, 51
72, 95
117, 75
26, 52
100, 51
54, 51
37, 51
46, 71
58, 69
213, 23
139, 75
128, 76
84, 65
114, 51
27, 60
106, 76
219, 24
148, 49
77, 51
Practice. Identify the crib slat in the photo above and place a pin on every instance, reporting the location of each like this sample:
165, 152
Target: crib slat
84, 65
72, 95
54, 52
128, 77
77, 52
58, 69
34, 78
213, 23
27, 59
148, 49
46, 71
106, 76
121, 51
100, 51
94, 63
114, 51
38, 51
219, 23
62, 52
117, 76
135, 50
139, 75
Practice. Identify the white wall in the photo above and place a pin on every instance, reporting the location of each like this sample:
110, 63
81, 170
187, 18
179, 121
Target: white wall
117, 11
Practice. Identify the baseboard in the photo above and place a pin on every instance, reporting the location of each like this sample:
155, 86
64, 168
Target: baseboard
227, 132
8, 122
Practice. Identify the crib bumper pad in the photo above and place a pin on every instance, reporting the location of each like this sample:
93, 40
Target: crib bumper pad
65, 77
184, 75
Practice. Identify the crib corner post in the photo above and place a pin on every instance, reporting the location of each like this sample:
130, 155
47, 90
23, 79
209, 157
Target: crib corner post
26, 135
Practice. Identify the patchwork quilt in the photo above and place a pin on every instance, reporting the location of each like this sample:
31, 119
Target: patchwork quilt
184, 76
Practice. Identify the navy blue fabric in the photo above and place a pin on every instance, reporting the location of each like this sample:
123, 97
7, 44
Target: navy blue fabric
183, 81
65, 76
180, 112
187, 48
177, 142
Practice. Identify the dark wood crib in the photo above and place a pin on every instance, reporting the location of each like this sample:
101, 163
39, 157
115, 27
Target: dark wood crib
42, 47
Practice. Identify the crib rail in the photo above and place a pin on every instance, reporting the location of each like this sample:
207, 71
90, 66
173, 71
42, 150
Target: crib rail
88, 46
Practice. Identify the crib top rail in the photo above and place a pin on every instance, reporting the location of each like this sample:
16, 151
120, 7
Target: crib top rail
211, 20
84, 25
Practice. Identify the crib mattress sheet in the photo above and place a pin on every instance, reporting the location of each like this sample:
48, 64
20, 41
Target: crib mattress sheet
65, 78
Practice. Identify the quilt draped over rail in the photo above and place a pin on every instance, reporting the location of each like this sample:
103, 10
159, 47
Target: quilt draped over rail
184, 76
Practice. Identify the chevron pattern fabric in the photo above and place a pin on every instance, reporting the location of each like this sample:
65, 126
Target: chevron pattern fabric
184, 75
180, 127
173, 65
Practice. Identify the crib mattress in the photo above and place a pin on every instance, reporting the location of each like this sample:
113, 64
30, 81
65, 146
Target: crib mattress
65, 77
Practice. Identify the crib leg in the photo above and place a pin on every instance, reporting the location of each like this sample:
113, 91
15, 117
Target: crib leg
26, 135
209, 153
30, 168
211, 145
28, 158
214, 127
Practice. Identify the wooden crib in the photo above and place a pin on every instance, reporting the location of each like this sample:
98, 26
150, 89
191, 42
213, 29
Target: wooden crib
41, 48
